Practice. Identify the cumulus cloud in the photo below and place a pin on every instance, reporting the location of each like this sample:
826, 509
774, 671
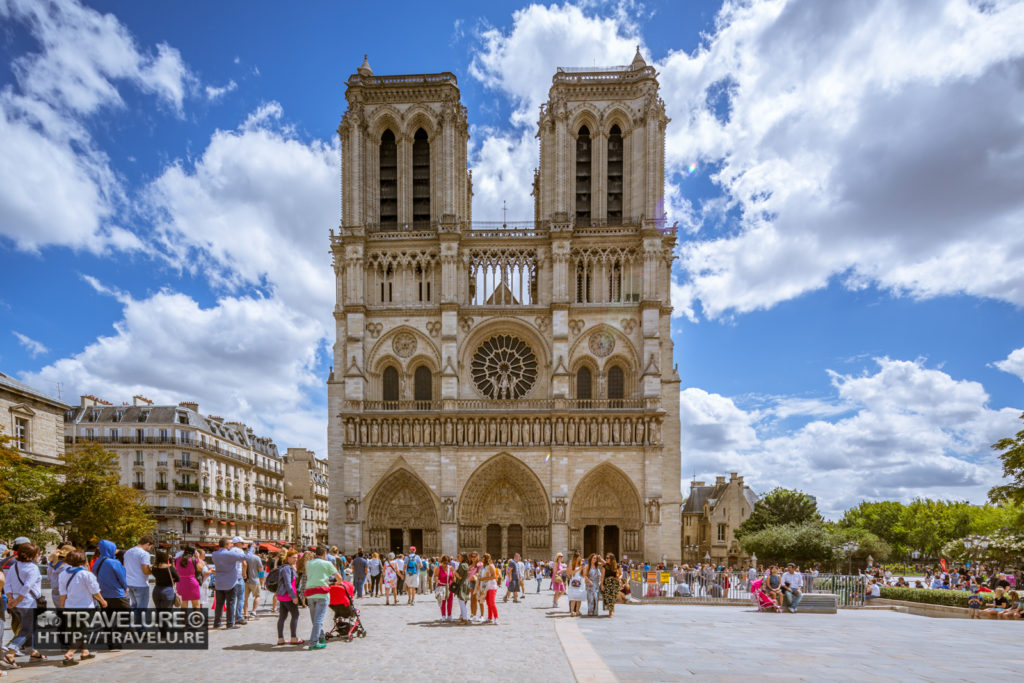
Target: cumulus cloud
259, 181
879, 143
1013, 364
215, 93
56, 186
251, 358
905, 430
33, 347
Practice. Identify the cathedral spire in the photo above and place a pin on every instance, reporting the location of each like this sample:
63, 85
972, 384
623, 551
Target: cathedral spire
364, 68
638, 61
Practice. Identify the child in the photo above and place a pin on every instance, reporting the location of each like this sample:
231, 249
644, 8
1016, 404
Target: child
974, 604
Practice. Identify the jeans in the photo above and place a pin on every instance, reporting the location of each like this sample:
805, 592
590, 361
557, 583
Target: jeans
224, 598
359, 581
25, 640
375, 584
163, 596
139, 596
317, 610
539, 579
794, 599
287, 608
240, 600
462, 609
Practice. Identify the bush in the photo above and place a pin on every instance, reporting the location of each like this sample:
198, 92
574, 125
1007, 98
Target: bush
949, 598
900, 569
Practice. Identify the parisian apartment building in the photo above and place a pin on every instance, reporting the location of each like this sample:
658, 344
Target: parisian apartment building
306, 484
33, 420
204, 477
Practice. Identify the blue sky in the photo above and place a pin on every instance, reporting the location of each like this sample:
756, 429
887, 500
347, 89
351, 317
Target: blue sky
849, 279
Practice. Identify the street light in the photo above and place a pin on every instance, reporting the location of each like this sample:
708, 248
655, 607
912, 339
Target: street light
850, 547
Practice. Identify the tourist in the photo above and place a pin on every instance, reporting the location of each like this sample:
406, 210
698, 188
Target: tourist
512, 578
461, 587
558, 579
373, 566
288, 598
319, 573
78, 589
227, 563
1013, 609
773, 586
445, 579
611, 584
413, 566
489, 579
792, 587
165, 576
55, 566
538, 574
24, 589
577, 588
110, 575
999, 604
359, 566
593, 577
190, 578
391, 573
137, 571
874, 589
253, 570
242, 546
474, 588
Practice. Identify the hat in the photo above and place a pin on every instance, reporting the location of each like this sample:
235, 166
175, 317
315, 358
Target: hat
412, 549
238, 539
3, 549
63, 550
20, 540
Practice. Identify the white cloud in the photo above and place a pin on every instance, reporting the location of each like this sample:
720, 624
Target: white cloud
904, 431
1013, 364
877, 142
503, 172
263, 183
246, 357
213, 93
56, 186
33, 347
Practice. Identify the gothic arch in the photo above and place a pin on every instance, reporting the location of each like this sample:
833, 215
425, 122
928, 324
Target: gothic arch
624, 350
385, 117
382, 351
605, 499
584, 117
616, 114
506, 493
402, 501
420, 116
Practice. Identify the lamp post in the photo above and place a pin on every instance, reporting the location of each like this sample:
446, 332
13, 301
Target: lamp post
850, 547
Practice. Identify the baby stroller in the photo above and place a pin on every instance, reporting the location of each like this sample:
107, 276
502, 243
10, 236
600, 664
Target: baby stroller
347, 622
764, 602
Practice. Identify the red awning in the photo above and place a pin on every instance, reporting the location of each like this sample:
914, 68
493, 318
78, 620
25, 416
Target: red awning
271, 547
208, 546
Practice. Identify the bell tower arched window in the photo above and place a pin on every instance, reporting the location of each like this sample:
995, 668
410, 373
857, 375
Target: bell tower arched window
583, 384
389, 385
583, 177
615, 176
388, 181
423, 382
420, 180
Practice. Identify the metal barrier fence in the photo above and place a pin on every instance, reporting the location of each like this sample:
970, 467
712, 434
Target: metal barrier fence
721, 587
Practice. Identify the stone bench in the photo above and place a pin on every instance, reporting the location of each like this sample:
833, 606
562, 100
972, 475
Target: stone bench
817, 603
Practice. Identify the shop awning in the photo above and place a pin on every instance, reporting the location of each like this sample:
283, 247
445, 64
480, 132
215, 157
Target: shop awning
271, 547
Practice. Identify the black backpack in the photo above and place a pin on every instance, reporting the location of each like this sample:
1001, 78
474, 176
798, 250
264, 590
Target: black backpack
273, 579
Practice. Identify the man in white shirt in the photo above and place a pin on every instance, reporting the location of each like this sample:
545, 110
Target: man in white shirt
137, 571
792, 587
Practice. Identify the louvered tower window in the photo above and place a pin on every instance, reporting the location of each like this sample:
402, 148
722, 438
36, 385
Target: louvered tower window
421, 180
388, 181
583, 177
615, 176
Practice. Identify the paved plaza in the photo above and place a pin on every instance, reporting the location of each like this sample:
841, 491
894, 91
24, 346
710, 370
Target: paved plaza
642, 643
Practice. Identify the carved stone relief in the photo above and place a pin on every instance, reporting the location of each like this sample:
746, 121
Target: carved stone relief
404, 344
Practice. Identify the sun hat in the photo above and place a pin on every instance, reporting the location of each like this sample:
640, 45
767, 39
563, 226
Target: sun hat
21, 540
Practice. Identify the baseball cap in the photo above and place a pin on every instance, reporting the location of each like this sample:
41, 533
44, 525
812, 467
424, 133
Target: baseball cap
412, 549
238, 539
21, 540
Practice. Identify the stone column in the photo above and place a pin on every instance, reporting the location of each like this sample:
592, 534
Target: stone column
504, 540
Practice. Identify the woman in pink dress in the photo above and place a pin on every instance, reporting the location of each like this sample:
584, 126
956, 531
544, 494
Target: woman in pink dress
444, 580
189, 573
557, 583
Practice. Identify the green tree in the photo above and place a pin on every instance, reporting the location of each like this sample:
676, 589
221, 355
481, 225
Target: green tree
93, 500
804, 543
778, 507
868, 544
24, 488
884, 519
1013, 469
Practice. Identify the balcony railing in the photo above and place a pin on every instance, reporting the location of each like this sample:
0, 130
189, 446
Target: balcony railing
504, 406
161, 440
161, 486
182, 486
139, 486
186, 464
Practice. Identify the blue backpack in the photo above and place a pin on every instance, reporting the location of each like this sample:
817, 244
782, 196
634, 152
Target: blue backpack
412, 564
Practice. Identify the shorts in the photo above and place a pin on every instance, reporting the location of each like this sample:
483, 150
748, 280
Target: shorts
412, 580
252, 588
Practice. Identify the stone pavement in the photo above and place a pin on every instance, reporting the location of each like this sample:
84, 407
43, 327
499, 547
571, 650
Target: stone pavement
642, 643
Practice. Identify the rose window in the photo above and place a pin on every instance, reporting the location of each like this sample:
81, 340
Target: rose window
504, 367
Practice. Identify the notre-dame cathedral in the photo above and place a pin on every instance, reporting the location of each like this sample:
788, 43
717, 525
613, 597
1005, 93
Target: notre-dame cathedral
504, 387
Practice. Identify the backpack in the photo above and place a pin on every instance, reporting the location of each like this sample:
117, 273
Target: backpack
412, 565
274, 579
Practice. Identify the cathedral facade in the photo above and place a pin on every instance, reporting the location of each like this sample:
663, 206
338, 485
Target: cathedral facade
504, 387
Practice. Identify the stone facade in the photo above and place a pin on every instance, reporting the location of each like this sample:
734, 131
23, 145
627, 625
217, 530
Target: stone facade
710, 517
504, 387
34, 420
306, 482
203, 477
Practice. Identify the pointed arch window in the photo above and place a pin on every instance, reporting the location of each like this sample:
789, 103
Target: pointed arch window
615, 176
583, 383
423, 386
616, 383
420, 180
388, 181
389, 385
583, 195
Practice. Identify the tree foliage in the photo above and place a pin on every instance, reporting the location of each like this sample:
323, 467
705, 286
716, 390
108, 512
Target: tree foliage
780, 507
95, 503
24, 488
804, 543
1013, 469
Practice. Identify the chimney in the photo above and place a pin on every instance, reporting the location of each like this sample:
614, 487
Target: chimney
88, 401
720, 480
141, 401
190, 405
694, 484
